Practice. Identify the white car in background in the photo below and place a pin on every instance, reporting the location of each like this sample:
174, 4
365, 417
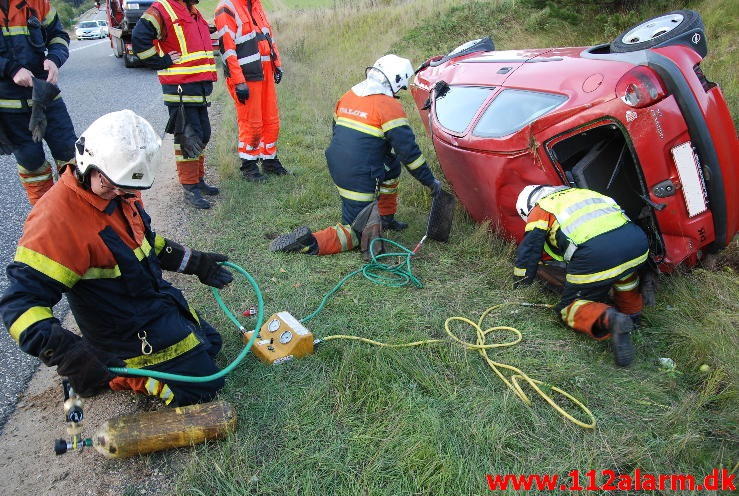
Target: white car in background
103, 27
89, 30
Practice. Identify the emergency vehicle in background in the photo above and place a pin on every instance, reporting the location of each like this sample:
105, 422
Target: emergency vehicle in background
122, 17
636, 120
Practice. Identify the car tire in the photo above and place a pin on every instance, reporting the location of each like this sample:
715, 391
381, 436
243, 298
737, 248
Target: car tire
657, 30
118, 48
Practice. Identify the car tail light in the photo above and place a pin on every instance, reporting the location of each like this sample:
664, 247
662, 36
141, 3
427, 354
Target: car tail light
641, 87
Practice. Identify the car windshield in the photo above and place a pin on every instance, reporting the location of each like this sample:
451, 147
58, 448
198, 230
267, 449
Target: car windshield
459, 105
102, 23
512, 110
88, 24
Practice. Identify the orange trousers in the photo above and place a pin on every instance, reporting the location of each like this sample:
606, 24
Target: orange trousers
142, 385
36, 182
583, 314
258, 117
387, 199
336, 239
189, 170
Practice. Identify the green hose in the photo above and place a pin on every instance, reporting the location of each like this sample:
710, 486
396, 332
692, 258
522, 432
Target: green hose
396, 276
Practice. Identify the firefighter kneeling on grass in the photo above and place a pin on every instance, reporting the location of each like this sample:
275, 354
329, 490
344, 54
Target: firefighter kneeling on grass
371, 140
90, 238
602, 249
172, 36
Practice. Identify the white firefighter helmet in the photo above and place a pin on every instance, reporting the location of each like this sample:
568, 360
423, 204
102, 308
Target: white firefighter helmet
391, 70
530, 196
121, 145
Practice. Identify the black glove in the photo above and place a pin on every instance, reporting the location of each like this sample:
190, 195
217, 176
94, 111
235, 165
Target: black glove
6, 146
85, 366
43, 94
435, 187
190, 142
520, 282
278, 75
242, 92
209, 271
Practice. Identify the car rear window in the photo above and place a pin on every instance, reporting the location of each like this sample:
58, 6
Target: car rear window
513, 109
89, 25
459, 105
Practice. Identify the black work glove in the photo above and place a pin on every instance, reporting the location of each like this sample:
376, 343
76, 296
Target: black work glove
190, 142
435, 187
278, 75
209, 271
43, 94
520, 282
85, 366
6, 146
242, 92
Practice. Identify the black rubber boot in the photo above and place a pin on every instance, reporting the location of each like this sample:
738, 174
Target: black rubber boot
250, 170
620, 326
390, 224
300, 240
193, 197
273, 166
206, 189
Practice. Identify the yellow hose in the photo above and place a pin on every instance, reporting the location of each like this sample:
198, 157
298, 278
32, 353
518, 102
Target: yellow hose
482, 347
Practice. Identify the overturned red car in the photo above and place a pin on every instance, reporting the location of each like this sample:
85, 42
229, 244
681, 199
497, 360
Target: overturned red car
635, 119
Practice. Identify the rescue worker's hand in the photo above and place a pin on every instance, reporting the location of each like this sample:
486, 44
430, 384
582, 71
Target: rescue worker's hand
435, 187
53, 70
209, 271
242, 92
23, 77
278, 75
174, 56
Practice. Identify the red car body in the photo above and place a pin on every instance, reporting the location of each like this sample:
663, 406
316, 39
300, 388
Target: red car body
676, 172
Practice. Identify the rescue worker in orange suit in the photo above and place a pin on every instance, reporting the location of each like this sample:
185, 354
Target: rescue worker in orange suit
33, 46
90, 238
602, 249
371, 142
173, 37
252, 67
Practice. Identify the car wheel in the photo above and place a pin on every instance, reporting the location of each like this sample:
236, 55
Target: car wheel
118, 48
657, 30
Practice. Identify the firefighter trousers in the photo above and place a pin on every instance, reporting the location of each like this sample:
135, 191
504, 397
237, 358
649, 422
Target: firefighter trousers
33, 169
192, 170
258, 117
199, 361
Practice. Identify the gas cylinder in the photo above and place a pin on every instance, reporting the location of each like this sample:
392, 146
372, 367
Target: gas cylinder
142, 433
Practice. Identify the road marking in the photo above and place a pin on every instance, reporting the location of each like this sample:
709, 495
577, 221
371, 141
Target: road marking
88, 46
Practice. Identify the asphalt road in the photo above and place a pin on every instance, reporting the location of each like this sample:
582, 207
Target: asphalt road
93, 83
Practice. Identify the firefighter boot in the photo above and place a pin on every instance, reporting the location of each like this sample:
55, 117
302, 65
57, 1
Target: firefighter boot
207, 189
300, 240
274, 166
193, 197
389, 223
620, 326
250, 170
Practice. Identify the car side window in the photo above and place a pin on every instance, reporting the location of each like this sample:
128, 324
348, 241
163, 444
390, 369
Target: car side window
458, 106
513, 109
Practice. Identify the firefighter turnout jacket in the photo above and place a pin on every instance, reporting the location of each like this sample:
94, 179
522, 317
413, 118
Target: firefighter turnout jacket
104, 256
174, 26
587, 230
31, 33
245, 38
369, 132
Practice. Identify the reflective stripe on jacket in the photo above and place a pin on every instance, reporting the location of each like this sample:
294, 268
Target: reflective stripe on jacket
103, 255
172, 26
367, 130
245, 39
31, 32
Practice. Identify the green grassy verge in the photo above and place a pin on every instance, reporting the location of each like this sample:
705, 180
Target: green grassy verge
356, 419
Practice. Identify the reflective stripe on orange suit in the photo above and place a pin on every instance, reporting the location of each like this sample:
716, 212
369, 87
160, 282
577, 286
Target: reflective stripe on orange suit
249, 58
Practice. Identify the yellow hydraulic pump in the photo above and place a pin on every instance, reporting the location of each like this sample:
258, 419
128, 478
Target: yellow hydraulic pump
281, 338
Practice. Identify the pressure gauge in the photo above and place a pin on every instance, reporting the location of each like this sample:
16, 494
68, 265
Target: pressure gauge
286, 337
273, 325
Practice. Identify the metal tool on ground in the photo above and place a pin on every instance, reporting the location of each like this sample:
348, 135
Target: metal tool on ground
73, 416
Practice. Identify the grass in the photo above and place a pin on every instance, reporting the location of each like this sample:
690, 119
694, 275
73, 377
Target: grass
355, 419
